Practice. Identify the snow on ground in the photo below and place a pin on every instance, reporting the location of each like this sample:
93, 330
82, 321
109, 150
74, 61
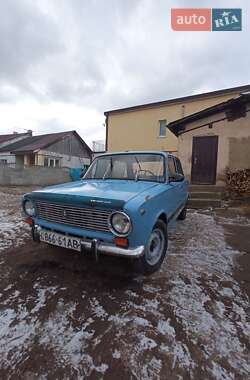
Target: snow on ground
189, 320
12, 229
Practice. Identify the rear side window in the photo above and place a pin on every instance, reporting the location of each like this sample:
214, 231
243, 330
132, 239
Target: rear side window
171, 166
178, 166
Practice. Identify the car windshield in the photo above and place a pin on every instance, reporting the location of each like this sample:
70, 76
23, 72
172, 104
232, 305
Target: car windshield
137, 167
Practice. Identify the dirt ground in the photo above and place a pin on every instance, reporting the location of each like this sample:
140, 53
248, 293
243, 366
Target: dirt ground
63, 316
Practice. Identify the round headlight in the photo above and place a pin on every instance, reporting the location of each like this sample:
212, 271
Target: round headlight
120, 223
29, 208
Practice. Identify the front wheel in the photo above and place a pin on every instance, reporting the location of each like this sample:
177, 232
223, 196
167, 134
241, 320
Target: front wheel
155, 250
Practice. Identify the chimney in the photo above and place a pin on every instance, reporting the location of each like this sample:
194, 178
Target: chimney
29, 132
15, 133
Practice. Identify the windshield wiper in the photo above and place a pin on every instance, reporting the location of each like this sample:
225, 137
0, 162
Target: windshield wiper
109, 167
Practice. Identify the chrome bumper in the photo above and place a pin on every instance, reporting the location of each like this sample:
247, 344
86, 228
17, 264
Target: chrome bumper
113, 250
99, 247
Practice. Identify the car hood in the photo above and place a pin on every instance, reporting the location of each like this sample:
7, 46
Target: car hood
105, 193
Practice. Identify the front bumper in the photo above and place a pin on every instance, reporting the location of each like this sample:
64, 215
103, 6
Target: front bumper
97, 246
112, 250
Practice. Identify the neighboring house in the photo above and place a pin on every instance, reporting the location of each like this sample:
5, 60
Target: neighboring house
14, 137
64, 149
214, 139
10, 139
143, 127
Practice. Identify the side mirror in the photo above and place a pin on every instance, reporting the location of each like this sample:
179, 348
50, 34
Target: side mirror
177, 178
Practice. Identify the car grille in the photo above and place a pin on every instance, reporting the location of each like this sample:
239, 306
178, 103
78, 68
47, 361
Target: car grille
86, 218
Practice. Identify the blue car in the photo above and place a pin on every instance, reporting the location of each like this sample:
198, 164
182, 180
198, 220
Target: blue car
123, 206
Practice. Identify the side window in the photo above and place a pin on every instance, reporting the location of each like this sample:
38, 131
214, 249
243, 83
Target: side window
171, 167
178, 166
163, 129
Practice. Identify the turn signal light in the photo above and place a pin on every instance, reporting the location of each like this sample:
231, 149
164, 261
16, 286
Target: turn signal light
28, 221
121, 242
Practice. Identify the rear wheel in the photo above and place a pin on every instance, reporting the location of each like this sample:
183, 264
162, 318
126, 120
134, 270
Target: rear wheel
155, 250
183, 214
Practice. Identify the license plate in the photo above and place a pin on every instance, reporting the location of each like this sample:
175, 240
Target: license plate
60, 240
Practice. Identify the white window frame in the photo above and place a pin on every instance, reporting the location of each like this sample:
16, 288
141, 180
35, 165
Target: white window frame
52, 162
162, 123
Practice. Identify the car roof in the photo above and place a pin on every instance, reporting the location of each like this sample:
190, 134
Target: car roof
136, 152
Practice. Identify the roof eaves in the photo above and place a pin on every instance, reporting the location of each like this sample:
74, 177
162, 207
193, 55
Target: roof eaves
177, 100
174, 126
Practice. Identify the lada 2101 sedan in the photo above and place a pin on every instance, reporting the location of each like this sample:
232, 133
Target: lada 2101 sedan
122, 206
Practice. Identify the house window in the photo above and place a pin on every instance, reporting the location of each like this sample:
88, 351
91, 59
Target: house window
163, 128
3, 162
52, 162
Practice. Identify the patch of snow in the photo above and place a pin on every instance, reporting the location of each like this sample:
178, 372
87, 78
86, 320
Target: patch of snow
165, 328
146, 343
42, 292
13, 230
132, 294
16, 333
152, 370
141, 321
97, 309
227, 292
207, 255
182, 356
116, 354
219, 373
119, 320
59, 334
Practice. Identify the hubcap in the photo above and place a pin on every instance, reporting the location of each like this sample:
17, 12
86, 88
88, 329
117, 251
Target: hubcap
155, 247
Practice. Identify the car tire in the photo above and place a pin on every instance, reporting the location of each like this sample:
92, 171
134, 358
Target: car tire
35, 235
183, 214
155, 250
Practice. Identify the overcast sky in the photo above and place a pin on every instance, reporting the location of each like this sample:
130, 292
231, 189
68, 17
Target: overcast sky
64, 62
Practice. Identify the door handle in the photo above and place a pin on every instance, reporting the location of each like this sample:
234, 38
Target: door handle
195, 160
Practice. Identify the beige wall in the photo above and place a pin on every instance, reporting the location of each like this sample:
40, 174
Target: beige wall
233, 143
139, 130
